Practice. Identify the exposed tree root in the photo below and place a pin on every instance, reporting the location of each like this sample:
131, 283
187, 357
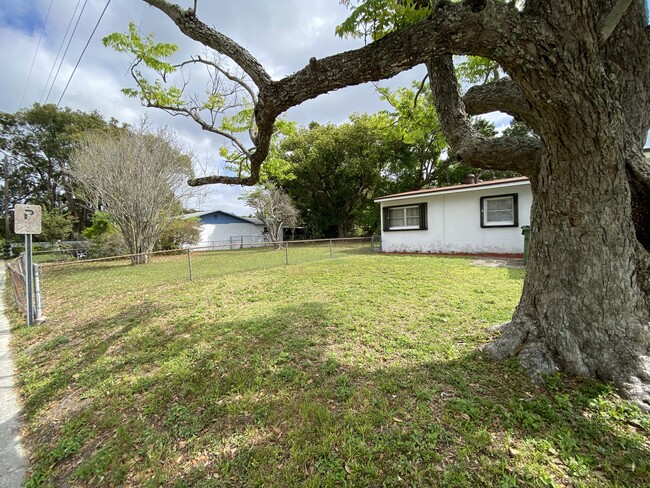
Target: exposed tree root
520, 339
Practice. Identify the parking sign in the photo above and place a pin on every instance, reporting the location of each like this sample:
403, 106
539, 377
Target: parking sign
27, 219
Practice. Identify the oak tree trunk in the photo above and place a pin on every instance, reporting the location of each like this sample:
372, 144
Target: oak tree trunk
585, 306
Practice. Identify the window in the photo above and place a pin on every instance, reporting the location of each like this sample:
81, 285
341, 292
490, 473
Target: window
499, 211
410, 217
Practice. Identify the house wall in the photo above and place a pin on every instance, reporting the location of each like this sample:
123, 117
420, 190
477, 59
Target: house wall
220, 233
454, 224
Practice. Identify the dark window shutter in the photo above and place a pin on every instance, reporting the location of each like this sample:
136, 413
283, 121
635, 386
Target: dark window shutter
423, 216
384, 218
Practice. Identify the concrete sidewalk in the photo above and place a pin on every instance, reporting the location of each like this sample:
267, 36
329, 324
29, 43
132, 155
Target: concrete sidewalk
13, 464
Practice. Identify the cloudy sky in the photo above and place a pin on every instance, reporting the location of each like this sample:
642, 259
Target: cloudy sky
282, 35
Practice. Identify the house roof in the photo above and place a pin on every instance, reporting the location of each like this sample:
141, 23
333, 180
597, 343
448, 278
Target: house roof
456, 188
210, 212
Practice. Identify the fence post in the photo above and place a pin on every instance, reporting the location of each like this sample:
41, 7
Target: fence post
38, 302
189, 262
372, 243
286, 253
331, 255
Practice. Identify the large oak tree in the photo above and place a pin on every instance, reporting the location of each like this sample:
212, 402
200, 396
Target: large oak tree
579, 75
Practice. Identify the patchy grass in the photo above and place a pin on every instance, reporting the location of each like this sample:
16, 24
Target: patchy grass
352, 372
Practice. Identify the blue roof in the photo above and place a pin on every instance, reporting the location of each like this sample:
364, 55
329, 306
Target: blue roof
222, 217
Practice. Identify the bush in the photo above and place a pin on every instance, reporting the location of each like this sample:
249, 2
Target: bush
180, 232
108, 244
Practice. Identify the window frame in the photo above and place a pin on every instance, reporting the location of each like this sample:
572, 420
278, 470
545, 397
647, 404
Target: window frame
515, 210
422, 217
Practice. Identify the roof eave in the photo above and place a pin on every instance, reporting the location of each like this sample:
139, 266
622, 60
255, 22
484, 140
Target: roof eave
459, 189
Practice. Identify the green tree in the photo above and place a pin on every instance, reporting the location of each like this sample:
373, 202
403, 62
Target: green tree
337, 171
55, 225
37, 143
104, 236
179, 232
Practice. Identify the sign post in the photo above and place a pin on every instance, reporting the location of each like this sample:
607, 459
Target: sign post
27, 221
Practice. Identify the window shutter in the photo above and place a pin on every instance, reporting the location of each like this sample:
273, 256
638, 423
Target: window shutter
384, 218
423, 216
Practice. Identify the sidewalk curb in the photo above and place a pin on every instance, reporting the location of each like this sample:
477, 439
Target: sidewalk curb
13, 463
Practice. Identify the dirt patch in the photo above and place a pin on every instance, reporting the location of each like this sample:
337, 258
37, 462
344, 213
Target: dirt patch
500, 263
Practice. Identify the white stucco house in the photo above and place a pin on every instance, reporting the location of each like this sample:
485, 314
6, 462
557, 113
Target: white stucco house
224, 229
477, 218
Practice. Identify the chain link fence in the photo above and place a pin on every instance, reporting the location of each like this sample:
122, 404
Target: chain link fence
143, 272
18, 281
16, 272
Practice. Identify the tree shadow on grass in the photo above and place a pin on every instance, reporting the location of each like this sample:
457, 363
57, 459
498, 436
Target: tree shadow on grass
293, 397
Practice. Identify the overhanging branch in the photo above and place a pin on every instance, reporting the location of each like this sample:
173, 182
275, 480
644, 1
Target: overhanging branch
512, 153
193, 28
610, 22
451, 28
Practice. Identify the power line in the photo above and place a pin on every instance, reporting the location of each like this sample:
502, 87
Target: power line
59, 51
82, 52
66, 50
29, 76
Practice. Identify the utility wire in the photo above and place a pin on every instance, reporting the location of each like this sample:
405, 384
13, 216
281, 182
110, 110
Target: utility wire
66, 51
40, 100
29, 76
82, 52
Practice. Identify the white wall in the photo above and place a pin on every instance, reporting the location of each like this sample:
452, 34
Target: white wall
221, 233
454, 224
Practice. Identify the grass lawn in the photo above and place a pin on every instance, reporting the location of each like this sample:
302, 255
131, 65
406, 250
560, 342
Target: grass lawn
361, 371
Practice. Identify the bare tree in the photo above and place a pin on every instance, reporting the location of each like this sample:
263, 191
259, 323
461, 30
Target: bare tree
272, 206
139, 178
578, 73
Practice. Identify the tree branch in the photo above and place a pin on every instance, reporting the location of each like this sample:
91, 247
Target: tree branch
224, 72
451, 28
610, 22
194, 115
519, 154
193, 28
503, 96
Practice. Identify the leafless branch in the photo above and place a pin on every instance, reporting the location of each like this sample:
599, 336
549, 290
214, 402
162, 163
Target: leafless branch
236, 79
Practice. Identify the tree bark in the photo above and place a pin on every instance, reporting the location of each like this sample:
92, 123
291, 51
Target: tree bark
585, 306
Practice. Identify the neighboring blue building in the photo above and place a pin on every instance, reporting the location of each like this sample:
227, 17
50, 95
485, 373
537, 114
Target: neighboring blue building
219, 228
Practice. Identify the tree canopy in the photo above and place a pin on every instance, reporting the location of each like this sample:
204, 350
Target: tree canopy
37, 143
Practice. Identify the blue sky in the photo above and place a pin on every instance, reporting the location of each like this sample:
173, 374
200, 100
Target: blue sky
282, 35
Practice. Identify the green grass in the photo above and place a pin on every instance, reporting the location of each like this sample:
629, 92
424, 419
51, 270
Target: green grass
361, 371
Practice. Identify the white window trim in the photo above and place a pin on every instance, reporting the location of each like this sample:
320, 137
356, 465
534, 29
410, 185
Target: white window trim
513, 222
403, 227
